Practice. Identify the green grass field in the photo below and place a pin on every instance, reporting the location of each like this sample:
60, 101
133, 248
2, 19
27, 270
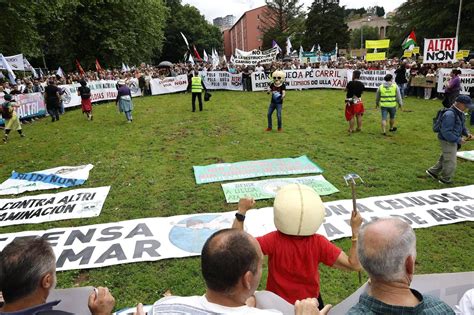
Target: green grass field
148, 165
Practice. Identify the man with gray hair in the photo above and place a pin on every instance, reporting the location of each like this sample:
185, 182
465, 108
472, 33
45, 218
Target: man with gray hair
27, 276
387, 251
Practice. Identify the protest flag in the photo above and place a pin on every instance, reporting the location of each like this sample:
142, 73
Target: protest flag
196, 54
97, 65
409, 42
60, 72
78, 65
191, 60
288, 46
275, 44
41, 73
301, 51
6, 66
185, 39
30, 68
312, 49
205, 56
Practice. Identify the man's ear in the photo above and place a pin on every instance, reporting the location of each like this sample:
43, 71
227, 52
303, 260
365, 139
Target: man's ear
47, 281
247, 280
410, 265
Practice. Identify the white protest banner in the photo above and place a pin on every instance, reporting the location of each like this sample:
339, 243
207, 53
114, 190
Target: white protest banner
78, 203
437, 50
371, 79
466, 76
266, 189
31, 105
222, 80
53, 178
15, 62
169, 85
306, 79
151, 239
467, 155
101, 90
255, 56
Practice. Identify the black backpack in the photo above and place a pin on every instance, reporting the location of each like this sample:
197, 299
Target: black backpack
85, 92
6, 111
438, 119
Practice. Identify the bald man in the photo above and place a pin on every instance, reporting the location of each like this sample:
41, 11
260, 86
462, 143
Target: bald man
387, 251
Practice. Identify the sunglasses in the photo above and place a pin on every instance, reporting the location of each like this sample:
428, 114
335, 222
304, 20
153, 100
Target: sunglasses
278, 78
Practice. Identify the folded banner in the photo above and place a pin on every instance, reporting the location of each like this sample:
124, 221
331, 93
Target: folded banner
467, 155
371, 79
255, 56
102, 90
466, 76
79, 203
151, 239
31, 105
304, 79
222, 80
266, 189
53, 178
169, 85
250, 169
437, 50
377, 44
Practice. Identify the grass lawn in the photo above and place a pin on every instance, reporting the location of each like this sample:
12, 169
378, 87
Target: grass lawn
149, 165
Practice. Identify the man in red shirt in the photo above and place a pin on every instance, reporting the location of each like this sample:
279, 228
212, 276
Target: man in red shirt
294, 257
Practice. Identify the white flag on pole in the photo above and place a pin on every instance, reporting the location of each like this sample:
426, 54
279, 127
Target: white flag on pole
205, 56
6, 66
185, 39
288, 46
191, 59
60, 72
312, 49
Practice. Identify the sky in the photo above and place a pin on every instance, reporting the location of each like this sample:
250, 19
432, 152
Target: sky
219, 8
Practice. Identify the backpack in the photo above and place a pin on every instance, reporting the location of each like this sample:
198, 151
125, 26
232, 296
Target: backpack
6, 111
438, 119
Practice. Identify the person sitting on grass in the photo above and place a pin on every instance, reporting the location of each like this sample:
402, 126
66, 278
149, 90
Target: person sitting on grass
294, 250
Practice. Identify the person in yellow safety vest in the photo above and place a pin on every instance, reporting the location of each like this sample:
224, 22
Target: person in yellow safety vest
196, 90
387, 97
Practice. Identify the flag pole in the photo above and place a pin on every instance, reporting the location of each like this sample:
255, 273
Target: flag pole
459, 21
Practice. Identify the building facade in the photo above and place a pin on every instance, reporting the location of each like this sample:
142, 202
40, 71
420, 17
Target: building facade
380, 23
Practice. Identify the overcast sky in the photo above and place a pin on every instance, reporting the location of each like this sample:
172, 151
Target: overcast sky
216, 8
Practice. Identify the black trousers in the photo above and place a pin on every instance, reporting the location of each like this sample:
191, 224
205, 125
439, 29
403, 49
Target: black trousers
199, 96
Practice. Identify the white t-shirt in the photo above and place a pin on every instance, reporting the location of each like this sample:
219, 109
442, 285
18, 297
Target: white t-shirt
199, 305
259, 69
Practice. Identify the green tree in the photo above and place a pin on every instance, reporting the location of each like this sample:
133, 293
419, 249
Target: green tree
431, 19
325, 25
368, 33
282, 19
188, 20
379, 11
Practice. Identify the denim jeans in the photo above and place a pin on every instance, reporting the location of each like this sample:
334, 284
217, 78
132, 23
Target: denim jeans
128, 115
53, 112
402, 87
271, 108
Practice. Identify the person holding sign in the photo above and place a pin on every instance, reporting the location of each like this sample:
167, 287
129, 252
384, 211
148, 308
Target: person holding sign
387, 97
354, 105
295, 250
278, 90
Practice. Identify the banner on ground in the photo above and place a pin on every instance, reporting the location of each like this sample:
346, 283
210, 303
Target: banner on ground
251, 58
222, 80
304, 79
466, 76
437, 50
53, 178
467, 155
151, 239
169, 85
249, 169
266, 189
101, 90
78, 203
31, 105
15, 62
375, 56
371, 79
377, 44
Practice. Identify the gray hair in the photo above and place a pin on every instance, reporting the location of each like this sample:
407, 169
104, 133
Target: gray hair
23, 264
386, 260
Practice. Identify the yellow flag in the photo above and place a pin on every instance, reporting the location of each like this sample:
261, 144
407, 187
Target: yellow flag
407, 53
376, 44
375, 56
416, 50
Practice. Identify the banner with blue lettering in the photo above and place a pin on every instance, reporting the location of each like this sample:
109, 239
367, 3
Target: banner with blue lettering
53, 178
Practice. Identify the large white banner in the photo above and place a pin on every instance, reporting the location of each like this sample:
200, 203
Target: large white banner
467, 155
79, 203
169, 85
53, 178
437, 50
15, 62
102, 90
151, 239
371, 79
466, 76
222, 80
251, 58
304, 79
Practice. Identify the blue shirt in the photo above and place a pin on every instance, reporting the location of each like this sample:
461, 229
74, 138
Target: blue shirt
453, 126
46, 308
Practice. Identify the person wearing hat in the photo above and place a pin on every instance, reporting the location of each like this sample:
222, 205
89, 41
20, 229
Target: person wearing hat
295, 250
124, 100
451, 138
12, 121
387, 97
